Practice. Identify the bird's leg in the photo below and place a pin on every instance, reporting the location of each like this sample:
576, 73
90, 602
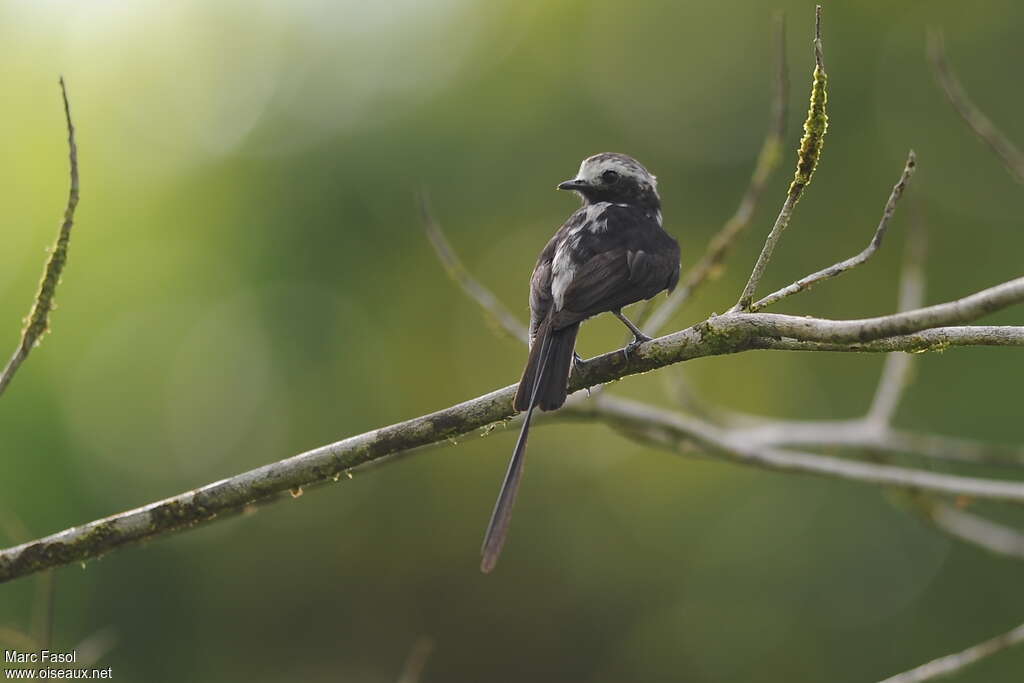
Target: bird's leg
638, 336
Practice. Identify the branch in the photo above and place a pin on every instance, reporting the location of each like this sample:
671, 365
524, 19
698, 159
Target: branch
38, 321
943, 666
469, 284
975, 119
865, 435
675, 431
842, 266
725, 334
935, 339
815, 127
970, 528
767, 161
799, 328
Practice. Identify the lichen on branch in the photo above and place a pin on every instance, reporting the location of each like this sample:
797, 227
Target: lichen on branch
38, 321
815, 127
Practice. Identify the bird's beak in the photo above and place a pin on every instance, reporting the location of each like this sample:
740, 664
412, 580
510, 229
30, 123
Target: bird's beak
574, 184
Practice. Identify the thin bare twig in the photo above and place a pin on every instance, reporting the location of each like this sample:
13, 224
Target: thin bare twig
975, 119
38, 320
815, 127
970, 528
943, 666
469, 284
848, 264
767, 161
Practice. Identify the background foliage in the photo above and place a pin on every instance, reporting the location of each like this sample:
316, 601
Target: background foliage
248, 279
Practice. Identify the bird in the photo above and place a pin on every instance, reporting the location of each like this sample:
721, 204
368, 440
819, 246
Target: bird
611, 252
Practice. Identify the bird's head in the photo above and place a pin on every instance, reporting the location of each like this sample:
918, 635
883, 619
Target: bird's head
611, 177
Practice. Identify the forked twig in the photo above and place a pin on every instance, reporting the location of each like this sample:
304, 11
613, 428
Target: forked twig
848, 264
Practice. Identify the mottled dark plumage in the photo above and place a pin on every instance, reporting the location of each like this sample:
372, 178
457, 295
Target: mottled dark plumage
612, 252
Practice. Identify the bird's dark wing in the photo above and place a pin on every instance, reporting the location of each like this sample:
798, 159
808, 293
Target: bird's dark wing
622, 257
613, 279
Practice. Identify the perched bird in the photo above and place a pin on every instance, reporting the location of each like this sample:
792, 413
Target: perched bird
612, 252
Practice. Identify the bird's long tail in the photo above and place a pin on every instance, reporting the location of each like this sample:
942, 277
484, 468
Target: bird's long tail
544, 383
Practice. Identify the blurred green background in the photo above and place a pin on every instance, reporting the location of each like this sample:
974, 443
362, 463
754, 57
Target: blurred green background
248, 279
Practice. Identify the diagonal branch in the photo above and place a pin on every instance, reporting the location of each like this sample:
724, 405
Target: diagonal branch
943, 666
975, 119
469, 284
725, 334
815, 127
848, 264
38, 321
719, 246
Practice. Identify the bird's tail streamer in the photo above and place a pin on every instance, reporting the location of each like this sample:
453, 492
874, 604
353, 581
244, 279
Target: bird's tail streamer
497, 529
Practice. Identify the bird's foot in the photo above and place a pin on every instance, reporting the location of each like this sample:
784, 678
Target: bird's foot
632, 346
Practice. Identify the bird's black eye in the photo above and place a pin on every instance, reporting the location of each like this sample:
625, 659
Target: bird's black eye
610, 177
